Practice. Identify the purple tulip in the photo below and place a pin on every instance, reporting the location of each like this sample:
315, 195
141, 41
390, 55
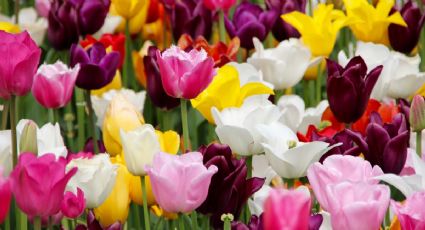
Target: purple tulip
190, 17
249, 21
346, 146
63, 24
154, 87
282, 30
229, 189
89, 146
97, 68
93, 224
349, 88
385, 145
405, 39
255, 223
91, 14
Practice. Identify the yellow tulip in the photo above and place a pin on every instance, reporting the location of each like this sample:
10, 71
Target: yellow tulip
9, 27
155, 31
319, 32
371, 23
116, 206
137, 19
121, 114
128, 8
219, 95
139, 67
115, 84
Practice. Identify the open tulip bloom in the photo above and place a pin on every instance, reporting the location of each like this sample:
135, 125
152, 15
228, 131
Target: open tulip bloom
212, 114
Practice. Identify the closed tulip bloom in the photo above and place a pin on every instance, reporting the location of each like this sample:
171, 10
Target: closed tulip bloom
282, 30
349, 88
97, 68
54, 84
5, 196
38, 184
182, 176
404, 39
73, 205
249, 21
411, 213
224, 5
417, 114
185, 74
17, 73
128, 8
63, 24
95, 177
91, 14
287, 209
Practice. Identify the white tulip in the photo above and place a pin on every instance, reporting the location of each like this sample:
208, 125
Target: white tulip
139, 145
111, 24
6, 151
285, 65
100, 104
95, 176
400, 77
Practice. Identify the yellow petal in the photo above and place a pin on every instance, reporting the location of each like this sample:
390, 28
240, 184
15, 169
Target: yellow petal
116, 83
169, 141
9, 27
128, 8
136, 190
253, 88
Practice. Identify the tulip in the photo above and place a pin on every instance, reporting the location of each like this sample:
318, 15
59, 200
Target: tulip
255, 223
73, 205
43, 7
6, 152
385, 144
282, 30
91, 14
63, 28
250, 21
287, 209
116, 42
370, 23
411, 214
137, 22
349, 88
93, 224
235, 126
19, 70
54, 84
127, 8
101, 103
404, 39
9, 27
215, 5
285, 65
154, 84
189, 17
95, 177
115, 84
417, 114
320, 31
5, 196
229, 189
97, 68
110, 26
337, 169
28, 138
38, 184
185, 74
218, 95
121, 114
181, 176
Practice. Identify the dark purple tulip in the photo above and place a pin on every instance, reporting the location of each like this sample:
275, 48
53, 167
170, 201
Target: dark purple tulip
249, 21
91, 14
97, 68
63, 27
229, 189
384, 145
315, 222
405, 39
255, 223
346, 146
93, 224
349, 88
190, 17
89, 147
282, 30
154, 86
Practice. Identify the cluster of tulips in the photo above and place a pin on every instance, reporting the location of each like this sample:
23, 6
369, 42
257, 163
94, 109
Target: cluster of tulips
212, 114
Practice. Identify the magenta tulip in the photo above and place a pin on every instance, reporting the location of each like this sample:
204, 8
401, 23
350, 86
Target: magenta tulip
38, 184
185, 74
180, 183
5, 196
411, 214
20, 57
54, 84
287, 209
219, 4
73, 205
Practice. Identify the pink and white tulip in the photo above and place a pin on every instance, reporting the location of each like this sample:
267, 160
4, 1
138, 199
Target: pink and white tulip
411, 214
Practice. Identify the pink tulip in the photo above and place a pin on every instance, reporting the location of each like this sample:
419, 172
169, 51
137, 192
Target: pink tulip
73, 205
38, 184
356, 206
336, 169
219, 4
411, 214
43, 7
20, 57
5, 196
185, 75
180, 183
287, 209
54, 84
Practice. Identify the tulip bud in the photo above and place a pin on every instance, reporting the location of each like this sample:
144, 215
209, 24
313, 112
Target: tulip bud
417, 114
28, 140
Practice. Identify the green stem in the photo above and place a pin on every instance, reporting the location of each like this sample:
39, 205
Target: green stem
92, 123
249, 166
13, 128
7, 222
23, 221
128, 64
222, 30
145, 204
194, 218
4, 115
290, 183
136, 217
81, 105
185, 125
37, 223
17, 4
419, 143
181, 222
51, 116
319, 83
227, 224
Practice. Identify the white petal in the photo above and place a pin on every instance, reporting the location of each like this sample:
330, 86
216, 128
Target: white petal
239, 139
